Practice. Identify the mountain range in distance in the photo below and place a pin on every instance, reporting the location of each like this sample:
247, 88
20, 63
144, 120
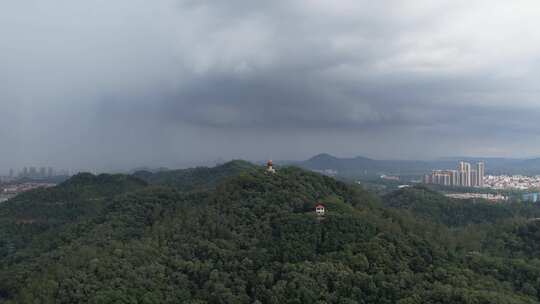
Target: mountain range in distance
357, 167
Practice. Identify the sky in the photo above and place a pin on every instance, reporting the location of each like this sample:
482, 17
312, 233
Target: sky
111, 84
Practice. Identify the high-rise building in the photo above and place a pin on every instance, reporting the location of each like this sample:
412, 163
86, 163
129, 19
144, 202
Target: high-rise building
464, 176
474, 178
468, 175
42, 172
440, 177
461, 166
480, 169
446, 179
33, 172
50, 172
454, 177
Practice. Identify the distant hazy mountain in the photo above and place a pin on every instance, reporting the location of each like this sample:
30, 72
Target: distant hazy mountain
363, 166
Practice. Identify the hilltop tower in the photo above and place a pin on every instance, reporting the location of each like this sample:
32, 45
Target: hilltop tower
270, 167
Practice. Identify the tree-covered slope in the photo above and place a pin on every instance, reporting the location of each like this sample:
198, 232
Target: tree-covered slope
254, 238
433, 206
68, 199
200, 178
34, 219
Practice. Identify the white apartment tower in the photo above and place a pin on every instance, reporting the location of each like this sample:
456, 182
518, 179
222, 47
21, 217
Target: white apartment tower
465, 174
474, 178
480, 171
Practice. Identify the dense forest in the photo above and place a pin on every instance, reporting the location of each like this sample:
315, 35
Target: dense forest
237, 234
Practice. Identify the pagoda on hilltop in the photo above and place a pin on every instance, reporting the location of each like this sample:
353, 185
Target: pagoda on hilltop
270, 167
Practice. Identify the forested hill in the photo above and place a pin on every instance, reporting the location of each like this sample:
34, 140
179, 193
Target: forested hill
35, 220
200, 178
248, 236
82, 194
435, 207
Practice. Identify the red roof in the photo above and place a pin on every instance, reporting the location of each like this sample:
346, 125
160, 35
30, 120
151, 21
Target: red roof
320, 205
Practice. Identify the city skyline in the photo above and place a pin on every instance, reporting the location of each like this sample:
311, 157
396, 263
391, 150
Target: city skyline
34, 172
179, 164
499, 167
464, 176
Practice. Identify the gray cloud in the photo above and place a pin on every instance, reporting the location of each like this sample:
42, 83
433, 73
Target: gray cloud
104, 84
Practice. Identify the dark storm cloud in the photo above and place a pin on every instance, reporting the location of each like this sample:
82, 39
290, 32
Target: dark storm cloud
124, 83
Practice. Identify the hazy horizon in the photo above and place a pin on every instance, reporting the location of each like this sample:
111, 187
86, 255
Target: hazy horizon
115, 85
214, 162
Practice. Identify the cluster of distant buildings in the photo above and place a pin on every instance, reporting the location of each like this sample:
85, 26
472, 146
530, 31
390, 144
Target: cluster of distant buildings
468, 175
327, 172
464, 176
11, 190
23, 187
487, 196
34, 173
390, 177
518, 182
28, 178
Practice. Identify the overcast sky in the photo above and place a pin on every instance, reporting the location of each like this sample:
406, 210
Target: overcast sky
122, 83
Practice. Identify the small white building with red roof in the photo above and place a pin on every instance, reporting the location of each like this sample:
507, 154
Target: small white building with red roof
320, 209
